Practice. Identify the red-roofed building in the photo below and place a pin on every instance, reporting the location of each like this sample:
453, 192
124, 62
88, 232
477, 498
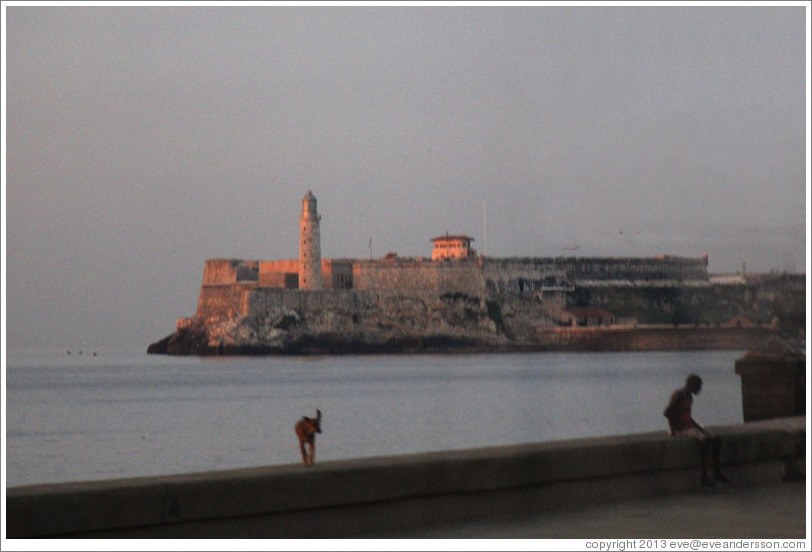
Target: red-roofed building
587, 317
452, 247
740, 322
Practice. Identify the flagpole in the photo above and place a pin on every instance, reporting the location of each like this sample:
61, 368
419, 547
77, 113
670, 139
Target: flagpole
485, 227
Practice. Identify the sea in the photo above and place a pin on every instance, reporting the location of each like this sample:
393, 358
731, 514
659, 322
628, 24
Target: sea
108, 415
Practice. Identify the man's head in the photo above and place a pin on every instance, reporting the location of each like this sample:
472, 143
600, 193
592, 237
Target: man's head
693, 384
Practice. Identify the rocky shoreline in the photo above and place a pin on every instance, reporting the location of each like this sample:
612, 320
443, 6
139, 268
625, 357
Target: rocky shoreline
195, 340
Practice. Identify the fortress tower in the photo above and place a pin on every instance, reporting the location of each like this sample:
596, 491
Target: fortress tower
452, 247
309, 245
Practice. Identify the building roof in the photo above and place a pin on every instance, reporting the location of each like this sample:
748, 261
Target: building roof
449, 237
740, 321
589, 312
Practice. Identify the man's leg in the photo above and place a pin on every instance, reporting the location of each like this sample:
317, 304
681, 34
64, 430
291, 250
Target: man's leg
705, 452
717, 449
707, 448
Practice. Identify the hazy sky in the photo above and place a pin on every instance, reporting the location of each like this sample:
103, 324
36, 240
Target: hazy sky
142, 141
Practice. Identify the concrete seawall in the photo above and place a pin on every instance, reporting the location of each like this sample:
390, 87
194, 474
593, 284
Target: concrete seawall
654, 338
357, 497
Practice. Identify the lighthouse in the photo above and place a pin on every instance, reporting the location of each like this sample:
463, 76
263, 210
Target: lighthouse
309, 245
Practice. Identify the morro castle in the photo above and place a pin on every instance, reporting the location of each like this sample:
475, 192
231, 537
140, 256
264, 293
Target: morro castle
455, 297
453, 266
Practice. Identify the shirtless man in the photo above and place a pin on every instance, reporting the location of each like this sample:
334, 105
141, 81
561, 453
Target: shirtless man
680, 422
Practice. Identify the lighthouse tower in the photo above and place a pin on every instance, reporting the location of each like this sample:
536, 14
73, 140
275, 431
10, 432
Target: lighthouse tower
309, 245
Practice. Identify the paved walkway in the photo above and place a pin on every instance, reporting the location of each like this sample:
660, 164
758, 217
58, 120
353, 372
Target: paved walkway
726, 512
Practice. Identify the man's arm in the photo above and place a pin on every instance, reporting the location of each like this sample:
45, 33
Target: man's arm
672, 411
698, 426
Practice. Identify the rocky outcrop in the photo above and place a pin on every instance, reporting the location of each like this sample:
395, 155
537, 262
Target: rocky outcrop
411, 324
458, 307
349, 322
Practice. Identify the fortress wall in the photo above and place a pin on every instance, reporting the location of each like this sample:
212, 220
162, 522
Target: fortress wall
248, 271
409, 288
285, 265
337, 274
220, 271
229, 271
224, 300
506, 274
285, 273
279, 274
308, 304
646, 268
279, 280
402, 275
522, 274
598, 268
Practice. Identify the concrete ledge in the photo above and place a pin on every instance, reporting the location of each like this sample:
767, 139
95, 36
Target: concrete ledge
354, 497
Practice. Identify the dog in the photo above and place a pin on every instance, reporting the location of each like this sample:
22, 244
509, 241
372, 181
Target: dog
306, 430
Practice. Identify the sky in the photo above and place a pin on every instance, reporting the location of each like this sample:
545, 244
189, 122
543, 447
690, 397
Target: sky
141, 141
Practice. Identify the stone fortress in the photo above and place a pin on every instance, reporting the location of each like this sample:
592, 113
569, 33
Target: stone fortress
455, 299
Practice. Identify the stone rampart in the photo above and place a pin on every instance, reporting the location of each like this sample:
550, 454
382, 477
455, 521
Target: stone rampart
503, 273
337, 273
406, 275
224, 300
280, 274
523, 275
475, 277
285, 280
229, 271
636, 268
220, 271
517, 275
352, 498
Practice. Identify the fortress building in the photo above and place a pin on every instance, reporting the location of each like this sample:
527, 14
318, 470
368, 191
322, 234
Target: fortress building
452, 247
454, 267
454, 298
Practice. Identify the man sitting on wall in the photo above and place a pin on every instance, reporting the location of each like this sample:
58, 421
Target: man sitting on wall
680, 422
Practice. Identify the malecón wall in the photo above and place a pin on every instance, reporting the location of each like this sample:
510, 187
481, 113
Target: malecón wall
363, 496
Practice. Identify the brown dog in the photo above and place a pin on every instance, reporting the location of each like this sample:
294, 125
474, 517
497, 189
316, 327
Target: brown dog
306, 430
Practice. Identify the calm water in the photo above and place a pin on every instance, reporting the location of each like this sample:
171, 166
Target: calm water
115, 415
